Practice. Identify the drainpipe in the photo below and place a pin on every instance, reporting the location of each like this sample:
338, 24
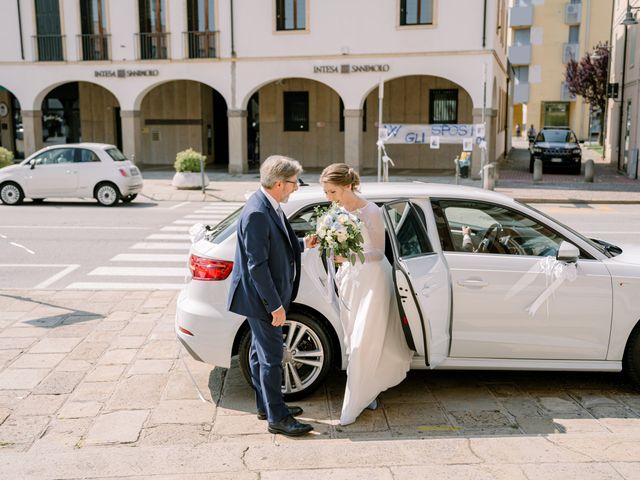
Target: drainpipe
621, 118
20, 29
233, 45
484, 25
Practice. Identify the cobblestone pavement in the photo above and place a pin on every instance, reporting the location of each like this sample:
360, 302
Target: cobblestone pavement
94, 385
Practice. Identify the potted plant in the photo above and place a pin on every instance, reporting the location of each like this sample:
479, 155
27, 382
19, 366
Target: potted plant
6, 157
187, 167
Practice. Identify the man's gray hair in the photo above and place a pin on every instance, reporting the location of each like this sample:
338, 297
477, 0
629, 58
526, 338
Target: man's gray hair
278, 168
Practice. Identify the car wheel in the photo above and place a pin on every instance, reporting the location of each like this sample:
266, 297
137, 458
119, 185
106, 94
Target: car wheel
129, 198
631, 358
308, 355
107, 194
577, 168
11, 193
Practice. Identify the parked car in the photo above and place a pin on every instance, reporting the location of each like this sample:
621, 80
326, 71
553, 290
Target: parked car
81, 170
557, 146
460, 309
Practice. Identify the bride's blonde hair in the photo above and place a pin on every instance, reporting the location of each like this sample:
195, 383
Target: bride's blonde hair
341, 174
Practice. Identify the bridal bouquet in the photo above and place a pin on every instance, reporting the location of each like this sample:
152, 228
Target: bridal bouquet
339, 233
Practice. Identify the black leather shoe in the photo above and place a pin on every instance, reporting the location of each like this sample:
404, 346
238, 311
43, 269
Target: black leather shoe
290, 427
293, 411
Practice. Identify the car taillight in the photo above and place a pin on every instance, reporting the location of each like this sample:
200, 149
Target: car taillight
123, 172
207, 269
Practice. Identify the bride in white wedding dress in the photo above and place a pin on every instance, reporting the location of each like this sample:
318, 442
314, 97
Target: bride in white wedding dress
378, 356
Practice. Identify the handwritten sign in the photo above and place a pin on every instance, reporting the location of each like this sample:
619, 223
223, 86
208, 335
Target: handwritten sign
448, 133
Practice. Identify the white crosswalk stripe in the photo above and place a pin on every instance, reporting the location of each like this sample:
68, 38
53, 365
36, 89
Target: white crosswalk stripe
157, 262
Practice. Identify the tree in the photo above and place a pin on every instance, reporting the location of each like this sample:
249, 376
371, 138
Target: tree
589, 77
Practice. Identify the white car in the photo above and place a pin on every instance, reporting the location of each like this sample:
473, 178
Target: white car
528, 294
85, 170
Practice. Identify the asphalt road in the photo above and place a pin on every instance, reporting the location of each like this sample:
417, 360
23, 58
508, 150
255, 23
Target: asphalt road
144, 245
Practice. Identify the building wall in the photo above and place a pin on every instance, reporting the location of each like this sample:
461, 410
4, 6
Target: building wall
97, 113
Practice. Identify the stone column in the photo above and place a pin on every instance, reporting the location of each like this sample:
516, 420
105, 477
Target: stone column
238, 157
490, 137
32, 128
132, 135
353, 139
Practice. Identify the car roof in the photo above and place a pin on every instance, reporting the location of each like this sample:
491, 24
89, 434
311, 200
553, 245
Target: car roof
98, 146
555, 128
392, 190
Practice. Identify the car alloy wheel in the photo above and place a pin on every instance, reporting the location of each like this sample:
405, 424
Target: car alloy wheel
11, 194
107, 194
307, 355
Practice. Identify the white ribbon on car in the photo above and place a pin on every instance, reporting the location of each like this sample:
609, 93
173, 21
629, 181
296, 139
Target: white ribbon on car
197, 232
555, 274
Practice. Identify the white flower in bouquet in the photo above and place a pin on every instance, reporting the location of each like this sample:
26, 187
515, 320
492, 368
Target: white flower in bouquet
340, 232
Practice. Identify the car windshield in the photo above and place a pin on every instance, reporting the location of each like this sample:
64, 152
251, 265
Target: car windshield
598, 245
116, 154
222, 230
557, 136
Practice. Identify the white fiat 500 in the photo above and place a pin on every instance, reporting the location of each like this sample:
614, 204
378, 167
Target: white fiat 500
525, 293
85, 170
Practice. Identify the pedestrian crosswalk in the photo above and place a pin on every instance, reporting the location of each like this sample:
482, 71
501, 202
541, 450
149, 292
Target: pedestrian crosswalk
158, 262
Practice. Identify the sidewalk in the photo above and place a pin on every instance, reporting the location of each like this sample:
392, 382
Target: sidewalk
514, 180
93, 385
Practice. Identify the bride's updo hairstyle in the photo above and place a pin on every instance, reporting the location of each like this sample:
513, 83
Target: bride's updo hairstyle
341, 174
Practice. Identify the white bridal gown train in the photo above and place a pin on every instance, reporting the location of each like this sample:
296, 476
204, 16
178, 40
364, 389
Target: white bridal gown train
377, 351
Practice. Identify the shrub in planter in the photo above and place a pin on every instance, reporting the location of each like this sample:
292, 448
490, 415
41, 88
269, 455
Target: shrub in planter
6, 157
187, 167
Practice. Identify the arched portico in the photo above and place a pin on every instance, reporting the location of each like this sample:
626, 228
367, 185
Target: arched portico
11, 128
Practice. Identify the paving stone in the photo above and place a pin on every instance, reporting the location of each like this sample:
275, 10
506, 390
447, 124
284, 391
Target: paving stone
160, 349
99, 336
470, 419
113, 324
460, 472
128, 342
59, 382
415, 414
514, 450
11, 398
4, 414
80, 410
88, 351
40, 405
79, 331
143, 366
62, 435
119, 356
21, 343
183, 411
93, 391
181, 387
8, 356
105, 373
38, 360
524, 406
20, 332
138, 329
562, 471
175, 434
55, 345
22, 429
21, 378
381, 473
560, 404
239, 425
628, 470
138, 391
589, 398
123, 426
465, 398
68, 365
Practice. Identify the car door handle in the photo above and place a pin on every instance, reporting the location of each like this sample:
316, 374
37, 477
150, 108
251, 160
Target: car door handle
473, 283
72, 171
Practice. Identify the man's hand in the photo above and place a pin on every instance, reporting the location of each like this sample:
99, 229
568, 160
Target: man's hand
311, 241
278, 317
466, 230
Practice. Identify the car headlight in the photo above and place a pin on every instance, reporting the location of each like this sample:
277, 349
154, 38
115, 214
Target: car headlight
577, 151
537, 150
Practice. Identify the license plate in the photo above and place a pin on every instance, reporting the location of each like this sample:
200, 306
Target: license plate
556, 160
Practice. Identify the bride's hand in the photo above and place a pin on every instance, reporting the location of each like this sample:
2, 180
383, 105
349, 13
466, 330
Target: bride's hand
339, 259
311, 241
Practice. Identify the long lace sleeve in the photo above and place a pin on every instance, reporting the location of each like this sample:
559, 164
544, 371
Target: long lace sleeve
374, 241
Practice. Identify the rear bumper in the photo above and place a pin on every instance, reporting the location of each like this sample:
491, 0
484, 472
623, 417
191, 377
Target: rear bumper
133, 187
213, 328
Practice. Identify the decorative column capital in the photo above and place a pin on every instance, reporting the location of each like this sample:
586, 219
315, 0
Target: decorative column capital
352, 113
236, 113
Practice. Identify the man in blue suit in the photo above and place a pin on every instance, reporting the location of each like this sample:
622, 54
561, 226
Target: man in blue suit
264, 282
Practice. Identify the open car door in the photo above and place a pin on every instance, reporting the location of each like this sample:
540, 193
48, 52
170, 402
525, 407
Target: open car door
422, 282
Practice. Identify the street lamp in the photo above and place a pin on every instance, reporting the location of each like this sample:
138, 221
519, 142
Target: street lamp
629, 19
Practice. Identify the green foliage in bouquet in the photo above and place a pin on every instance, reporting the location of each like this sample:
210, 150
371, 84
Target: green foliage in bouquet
339, 232
188, 161
6, 157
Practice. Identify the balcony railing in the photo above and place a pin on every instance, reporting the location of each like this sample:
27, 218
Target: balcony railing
201, 44
153, 46
570, 51
572, 13
521, 93
520, 54
95, 47
49, 48
521, 16
565, 94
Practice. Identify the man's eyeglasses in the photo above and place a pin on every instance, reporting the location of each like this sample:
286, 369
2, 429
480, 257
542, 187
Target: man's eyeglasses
290, 181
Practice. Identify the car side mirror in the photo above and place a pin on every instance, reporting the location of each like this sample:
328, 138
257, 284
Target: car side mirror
568, 252
33, 164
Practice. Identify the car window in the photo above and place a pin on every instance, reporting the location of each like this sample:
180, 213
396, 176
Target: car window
493, 229
409, 229
85, 156
55, 156
557, 136
220, 232
304, 221
116, 154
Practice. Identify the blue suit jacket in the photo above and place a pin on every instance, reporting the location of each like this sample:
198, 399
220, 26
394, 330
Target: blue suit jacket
263, 269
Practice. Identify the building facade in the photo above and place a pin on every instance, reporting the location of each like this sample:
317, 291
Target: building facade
544, 36
623, 116
240, 80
